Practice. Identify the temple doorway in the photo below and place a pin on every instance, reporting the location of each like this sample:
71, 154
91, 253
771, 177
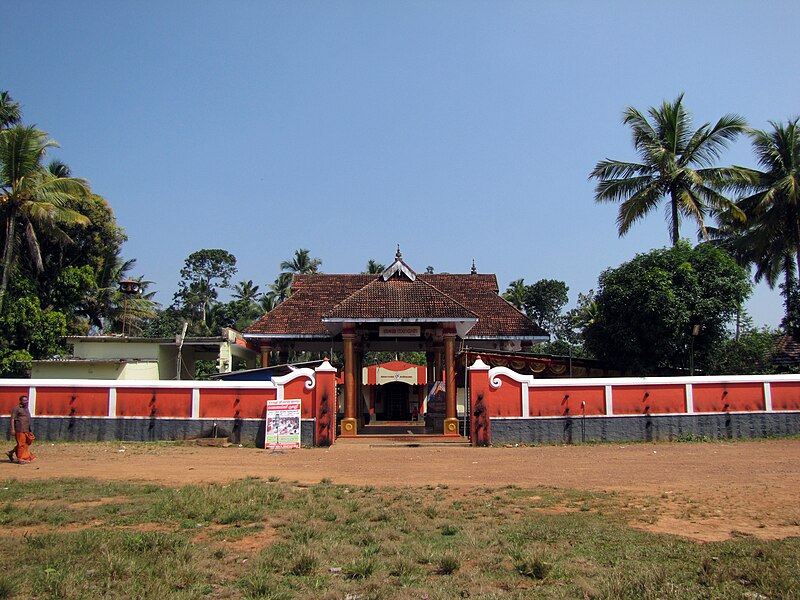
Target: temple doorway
395, 398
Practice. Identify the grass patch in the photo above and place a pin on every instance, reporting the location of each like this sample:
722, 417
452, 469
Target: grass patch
267, 539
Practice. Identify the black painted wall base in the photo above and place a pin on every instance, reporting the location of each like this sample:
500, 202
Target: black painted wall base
638, 428
248, 432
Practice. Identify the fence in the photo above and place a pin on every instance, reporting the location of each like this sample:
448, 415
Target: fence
97, 410
508, 407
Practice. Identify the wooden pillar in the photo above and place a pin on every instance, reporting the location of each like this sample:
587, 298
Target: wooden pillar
350, 420
357, 387
437, 362
266, 348
450, 416
430, 367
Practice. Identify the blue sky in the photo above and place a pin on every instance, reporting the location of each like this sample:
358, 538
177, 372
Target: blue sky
460, 130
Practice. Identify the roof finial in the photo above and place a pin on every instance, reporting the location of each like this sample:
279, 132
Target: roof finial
474, 270
398, 256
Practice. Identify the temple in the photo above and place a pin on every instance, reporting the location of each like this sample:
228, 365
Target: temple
396, 311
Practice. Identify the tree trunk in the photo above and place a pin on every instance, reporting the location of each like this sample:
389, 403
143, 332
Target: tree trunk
7, 254
675, 225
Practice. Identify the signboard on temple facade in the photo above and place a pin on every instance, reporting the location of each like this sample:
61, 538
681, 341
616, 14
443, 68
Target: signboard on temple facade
399, 331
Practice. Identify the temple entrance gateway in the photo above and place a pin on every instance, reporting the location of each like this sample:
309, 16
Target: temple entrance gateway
397, 311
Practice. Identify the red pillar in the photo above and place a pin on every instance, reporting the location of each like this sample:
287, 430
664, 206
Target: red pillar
480, 433
325, 404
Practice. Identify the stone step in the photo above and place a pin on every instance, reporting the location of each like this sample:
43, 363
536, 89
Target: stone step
408, 441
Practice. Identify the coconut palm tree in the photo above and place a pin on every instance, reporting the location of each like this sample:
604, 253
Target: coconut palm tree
770, 238
374, 267
10, 113
677, 164
773, 207
31, 196
279, 290
516, 292
245, 290
301, 263
268, 301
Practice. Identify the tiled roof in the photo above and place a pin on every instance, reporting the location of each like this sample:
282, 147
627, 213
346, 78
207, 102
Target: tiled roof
498, 317
399, 298
433, 296
787, 353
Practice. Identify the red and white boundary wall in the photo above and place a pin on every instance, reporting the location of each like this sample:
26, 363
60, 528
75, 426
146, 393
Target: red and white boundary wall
500, 393
178, 400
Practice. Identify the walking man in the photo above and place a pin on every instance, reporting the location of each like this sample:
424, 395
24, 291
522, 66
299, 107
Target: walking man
21, 431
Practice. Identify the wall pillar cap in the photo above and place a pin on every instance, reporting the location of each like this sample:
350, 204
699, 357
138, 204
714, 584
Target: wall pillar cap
325, 367
479, 365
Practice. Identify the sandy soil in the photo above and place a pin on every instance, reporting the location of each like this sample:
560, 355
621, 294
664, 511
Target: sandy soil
706, 491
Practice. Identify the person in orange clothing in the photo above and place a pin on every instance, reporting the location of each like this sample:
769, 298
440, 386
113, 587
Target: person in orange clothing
21, 431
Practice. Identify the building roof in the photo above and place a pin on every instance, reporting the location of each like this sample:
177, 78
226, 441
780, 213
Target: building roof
787, 353
396, 295
399, 299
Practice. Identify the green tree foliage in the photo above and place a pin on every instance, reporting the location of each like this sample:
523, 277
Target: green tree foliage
196, 302
203, 273
515, 293
646, 308
676, 164
769, 240
60, 249
28, 332
301, 263
10, 111
543, 301
281, 288
33, 200
374, 268
748, 354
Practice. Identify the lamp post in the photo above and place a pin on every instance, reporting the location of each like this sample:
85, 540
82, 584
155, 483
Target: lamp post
695, 333
128, 287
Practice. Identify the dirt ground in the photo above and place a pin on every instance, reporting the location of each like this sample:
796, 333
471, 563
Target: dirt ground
704, 491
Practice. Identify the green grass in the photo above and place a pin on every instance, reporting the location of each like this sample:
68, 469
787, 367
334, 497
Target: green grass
264, 539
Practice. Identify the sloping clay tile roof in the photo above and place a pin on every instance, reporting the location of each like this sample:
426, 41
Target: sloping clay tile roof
399, 298
357, 296
787, 353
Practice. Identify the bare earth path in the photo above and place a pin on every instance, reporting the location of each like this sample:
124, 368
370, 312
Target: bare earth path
702, 491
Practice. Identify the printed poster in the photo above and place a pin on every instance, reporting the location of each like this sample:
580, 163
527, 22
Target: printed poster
283, 424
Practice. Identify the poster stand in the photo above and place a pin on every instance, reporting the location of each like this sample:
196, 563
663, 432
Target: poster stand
283, 425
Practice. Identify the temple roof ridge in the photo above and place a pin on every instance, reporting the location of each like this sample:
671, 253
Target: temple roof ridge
398, 267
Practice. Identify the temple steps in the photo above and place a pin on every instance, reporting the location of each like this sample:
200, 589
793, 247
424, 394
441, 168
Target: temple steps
407, 441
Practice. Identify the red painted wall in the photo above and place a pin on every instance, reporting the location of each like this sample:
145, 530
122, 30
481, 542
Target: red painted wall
233, 403
718, 397
9, 398
297, 389
506, 401
560, 401
77, 402
655, 399
147, 402
785, 396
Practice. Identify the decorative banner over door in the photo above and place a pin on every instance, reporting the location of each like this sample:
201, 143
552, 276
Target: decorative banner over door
392, 372
283, 424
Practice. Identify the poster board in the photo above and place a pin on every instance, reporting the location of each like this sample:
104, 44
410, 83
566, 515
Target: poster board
283, 424
437, 399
